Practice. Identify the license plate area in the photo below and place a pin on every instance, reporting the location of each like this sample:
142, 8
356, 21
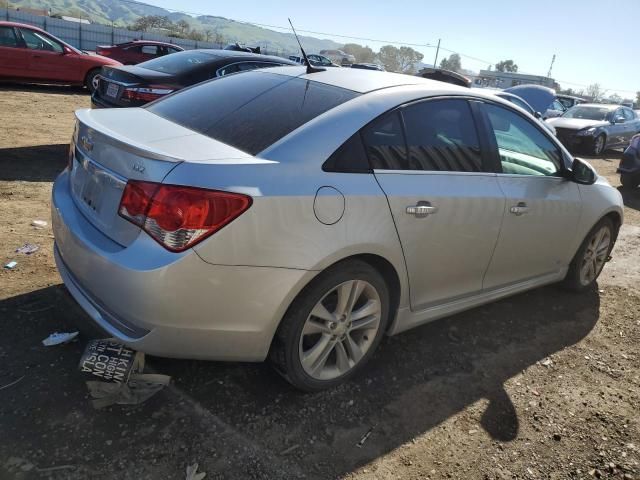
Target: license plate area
112, 90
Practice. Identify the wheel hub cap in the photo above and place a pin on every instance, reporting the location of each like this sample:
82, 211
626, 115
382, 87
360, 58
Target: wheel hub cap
340, 330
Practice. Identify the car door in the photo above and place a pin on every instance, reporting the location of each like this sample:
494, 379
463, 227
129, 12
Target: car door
47, 59
542, 207
631, 125
13, 55
618, 128
445, 201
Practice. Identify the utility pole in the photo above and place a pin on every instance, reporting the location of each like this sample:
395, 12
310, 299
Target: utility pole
553, 59
435, 62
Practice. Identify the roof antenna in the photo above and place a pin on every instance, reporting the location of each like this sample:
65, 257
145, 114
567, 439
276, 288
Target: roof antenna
310, 68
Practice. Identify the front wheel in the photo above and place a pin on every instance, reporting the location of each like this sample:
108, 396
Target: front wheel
591, 257
91, 80
331, 330
630, 180
598, 144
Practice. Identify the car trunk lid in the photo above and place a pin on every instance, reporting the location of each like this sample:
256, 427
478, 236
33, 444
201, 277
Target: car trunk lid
116, 81
113, 146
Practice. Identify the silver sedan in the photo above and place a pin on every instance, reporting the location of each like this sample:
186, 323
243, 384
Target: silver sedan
301, 216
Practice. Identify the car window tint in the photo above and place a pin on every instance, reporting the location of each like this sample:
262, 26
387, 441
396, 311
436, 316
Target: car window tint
8, 37
250, 111
349, 158
385, 144
38, 41
173, 50
228, 69
181, 62
523, 148
628, 114
149, 49
519, 103
441, 136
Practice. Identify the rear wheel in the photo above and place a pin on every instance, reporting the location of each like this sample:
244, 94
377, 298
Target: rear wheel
333, 327
91, 80
591, 257
630, 180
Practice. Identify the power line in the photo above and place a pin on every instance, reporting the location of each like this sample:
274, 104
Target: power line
391, 42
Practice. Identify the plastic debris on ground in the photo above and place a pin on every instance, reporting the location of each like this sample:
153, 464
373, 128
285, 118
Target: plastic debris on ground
11, 265
365, 437
28, 248
39, 223
192, 473
59, 338
120, 370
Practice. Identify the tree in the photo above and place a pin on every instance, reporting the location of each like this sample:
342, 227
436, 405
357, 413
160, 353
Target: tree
362, 54
452, 63
151, 21
595, 91
183, 26
506, 66
401, 60
615, 98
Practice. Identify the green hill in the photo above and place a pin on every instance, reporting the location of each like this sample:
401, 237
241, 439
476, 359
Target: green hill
125, 13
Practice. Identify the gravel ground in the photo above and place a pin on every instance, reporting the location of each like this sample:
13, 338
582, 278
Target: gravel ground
541, 385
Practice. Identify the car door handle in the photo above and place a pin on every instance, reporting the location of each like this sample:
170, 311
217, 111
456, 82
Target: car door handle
421, 209
519, 209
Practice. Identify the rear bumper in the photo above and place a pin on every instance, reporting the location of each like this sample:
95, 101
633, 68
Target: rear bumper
167, 304
98, 102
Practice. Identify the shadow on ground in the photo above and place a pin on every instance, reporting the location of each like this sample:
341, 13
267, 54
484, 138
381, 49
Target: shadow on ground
37, 88
39, 163
631, 197
244, 421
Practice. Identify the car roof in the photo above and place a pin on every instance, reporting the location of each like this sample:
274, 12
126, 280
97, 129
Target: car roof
235, 54
599, 105
363, 81
147, 42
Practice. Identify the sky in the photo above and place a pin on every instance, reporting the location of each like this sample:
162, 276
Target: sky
594, 41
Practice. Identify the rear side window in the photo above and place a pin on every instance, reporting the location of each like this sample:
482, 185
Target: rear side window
385, 143
181, 62
8, 37
441, 136
349, 158
250, 111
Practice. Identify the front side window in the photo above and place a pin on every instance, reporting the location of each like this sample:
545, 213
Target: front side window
628, 114
250, 111
523, 148
8, 37
441, 136
38, 41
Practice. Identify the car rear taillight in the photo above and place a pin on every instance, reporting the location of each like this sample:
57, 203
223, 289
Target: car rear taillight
178, 217
146, 94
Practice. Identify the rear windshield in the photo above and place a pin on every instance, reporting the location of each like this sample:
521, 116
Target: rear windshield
179, 62
250, 111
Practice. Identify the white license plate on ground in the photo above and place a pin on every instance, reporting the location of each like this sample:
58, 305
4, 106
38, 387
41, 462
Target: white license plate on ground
112, 90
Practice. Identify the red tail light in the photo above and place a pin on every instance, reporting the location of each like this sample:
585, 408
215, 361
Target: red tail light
178, 217
146, 94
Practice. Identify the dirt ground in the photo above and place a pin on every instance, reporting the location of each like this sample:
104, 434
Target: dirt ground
542, 385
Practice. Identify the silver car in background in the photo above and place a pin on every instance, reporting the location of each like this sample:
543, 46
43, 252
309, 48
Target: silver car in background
301, 216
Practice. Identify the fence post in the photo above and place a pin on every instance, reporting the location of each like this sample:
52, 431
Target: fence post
196, 44
7, 12
112, 35
80, 34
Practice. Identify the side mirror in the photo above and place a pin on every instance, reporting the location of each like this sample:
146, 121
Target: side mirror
619, 119
66, 50
582, 172
537, 114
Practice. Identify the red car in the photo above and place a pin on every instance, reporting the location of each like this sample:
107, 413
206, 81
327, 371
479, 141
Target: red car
137, 51
29, 54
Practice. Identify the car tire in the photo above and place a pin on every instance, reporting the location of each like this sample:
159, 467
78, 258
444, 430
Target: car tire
593, 251
90, 80
630, 180
598, 145
319, 351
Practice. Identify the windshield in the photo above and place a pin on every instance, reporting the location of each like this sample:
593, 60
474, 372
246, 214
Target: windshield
180, 62
588, 113
250, 111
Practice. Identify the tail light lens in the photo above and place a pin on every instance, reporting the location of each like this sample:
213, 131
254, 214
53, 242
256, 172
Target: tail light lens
178, 217
146, 94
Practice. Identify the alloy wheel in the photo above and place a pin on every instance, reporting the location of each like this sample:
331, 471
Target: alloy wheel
599, 145
340, 330
595, 255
